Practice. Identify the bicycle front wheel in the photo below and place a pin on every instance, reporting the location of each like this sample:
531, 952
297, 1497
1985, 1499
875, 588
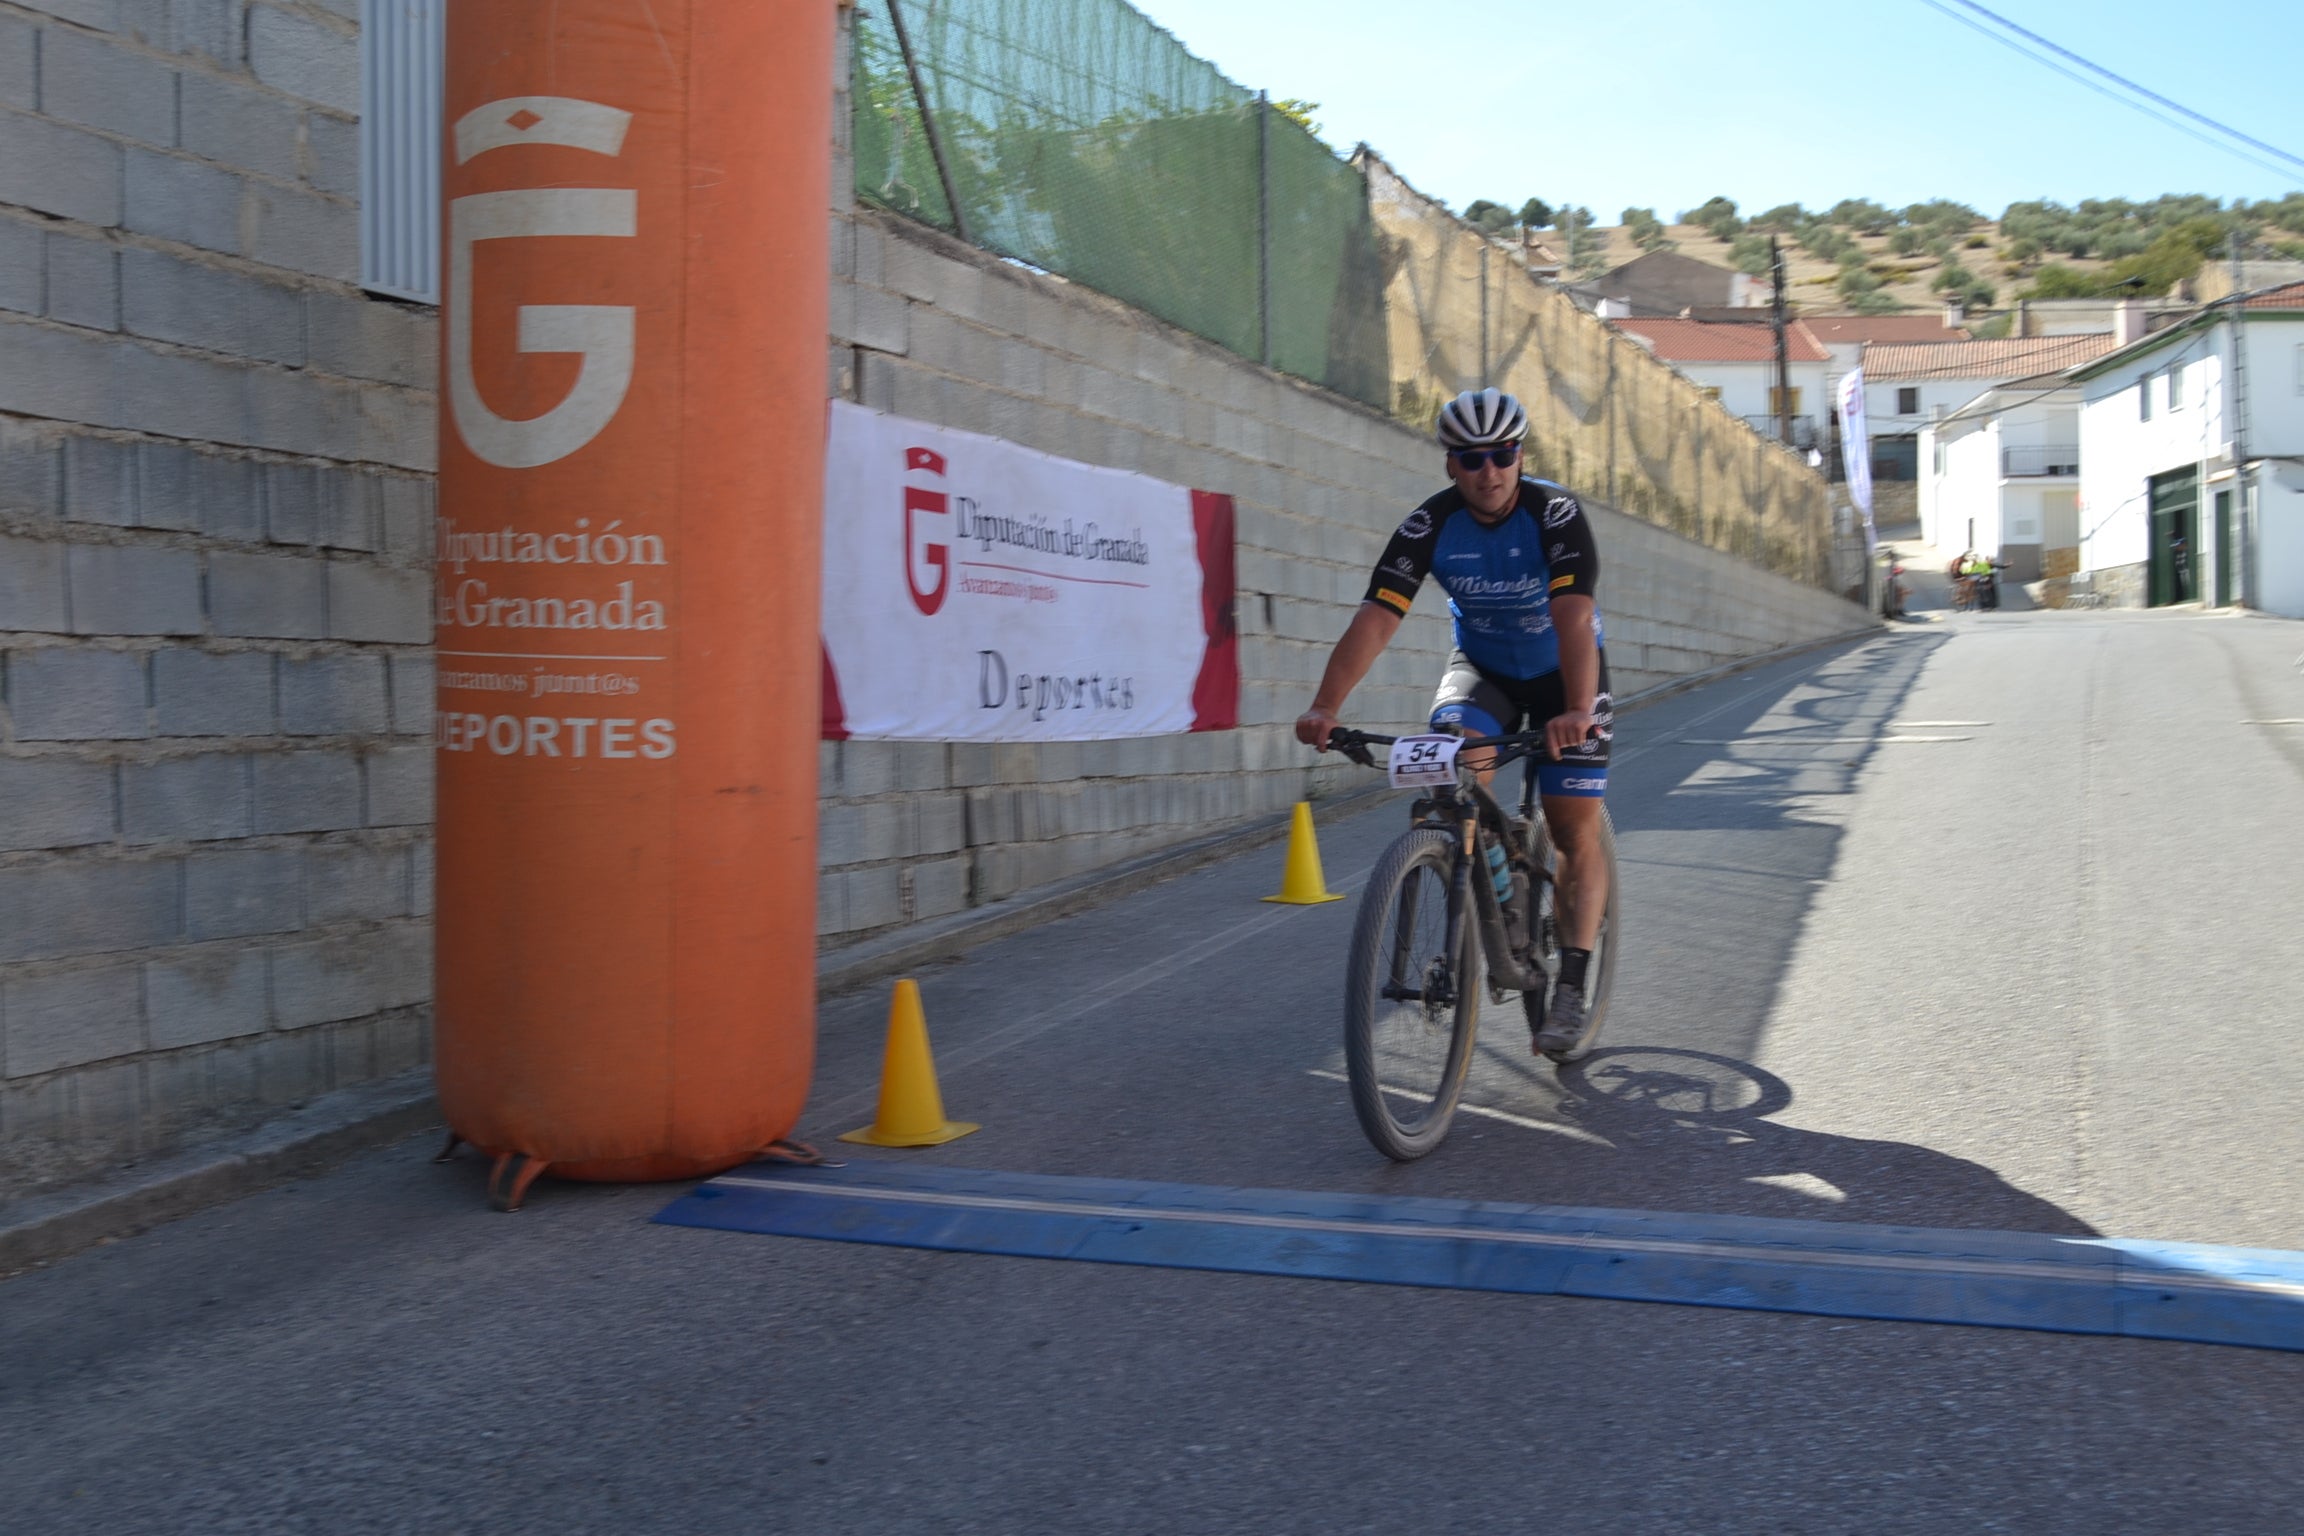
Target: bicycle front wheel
1411, 996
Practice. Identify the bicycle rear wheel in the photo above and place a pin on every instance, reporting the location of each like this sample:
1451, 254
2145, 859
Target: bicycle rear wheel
1600, 974
1411, 996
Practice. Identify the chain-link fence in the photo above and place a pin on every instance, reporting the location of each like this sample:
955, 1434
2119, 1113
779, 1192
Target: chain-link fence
1079, 137
1605, 417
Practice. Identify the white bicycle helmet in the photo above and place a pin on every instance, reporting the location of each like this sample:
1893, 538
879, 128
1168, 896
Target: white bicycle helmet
1481, 418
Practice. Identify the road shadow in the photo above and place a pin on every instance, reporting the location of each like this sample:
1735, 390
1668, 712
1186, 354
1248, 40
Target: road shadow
1729, 820
1731, 806
1657, 1127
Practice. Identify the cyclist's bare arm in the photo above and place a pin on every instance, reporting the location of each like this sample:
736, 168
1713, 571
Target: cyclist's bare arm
1371, 629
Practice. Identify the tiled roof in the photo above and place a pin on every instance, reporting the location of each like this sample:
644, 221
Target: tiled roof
1701, 341
2290, 297
1881, 328
2013, 357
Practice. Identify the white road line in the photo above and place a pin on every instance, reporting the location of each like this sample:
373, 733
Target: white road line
1774, 740
1482, 1110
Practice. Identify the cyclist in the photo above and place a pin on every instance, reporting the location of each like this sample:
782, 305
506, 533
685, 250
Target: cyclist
1517, 560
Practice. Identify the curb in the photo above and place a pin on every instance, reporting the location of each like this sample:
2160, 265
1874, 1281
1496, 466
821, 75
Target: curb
1679, 685
842, 970
44, 1228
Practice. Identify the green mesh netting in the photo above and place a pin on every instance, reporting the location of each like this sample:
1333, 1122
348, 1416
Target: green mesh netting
1083, 139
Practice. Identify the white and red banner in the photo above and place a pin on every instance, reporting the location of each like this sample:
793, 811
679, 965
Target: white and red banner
975, 590
1856, 452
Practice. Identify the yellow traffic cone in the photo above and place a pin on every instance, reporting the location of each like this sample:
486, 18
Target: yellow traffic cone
911, 1110
1303, 885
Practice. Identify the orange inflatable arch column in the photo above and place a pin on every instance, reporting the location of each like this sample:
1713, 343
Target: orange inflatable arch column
631, 473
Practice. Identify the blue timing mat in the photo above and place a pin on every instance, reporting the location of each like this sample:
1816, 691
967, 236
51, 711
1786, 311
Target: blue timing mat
2188, 1291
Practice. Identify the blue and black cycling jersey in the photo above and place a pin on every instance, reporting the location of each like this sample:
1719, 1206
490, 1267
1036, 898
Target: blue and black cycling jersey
1500, 578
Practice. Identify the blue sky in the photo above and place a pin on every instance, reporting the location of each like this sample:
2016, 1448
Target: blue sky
1663, 103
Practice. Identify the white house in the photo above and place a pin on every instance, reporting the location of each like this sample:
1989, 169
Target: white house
1846, 336
2001, 475
1907, 386
2183, 496
1737, 364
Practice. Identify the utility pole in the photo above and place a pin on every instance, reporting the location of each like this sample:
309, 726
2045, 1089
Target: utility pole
1783, 358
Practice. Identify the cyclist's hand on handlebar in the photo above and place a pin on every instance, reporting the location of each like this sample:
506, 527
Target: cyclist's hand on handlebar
1313, 726
1562, 732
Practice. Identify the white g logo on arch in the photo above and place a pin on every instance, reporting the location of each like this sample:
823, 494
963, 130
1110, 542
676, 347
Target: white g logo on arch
600, 334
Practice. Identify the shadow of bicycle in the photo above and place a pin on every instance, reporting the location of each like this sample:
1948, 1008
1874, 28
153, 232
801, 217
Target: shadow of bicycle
1659, 1127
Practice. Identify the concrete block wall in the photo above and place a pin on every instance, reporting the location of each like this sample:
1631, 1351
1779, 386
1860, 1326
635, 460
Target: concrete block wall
215, 535
926, 327
216, 510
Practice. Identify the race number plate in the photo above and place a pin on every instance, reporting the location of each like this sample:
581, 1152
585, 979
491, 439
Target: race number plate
1420, 762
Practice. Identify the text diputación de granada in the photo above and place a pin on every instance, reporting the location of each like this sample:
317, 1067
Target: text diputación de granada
465, 602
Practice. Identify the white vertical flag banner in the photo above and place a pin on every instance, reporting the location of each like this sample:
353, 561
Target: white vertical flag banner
1856, 451
979, 590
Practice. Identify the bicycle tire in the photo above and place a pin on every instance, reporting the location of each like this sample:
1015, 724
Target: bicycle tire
1375, 942
1600, 975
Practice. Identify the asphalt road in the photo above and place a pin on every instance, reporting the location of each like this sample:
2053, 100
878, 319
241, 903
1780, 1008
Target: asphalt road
2025, 971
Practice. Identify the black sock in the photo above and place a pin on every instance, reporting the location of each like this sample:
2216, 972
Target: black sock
1572, 963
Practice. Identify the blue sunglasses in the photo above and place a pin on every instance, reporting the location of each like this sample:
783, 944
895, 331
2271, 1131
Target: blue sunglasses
1480, 458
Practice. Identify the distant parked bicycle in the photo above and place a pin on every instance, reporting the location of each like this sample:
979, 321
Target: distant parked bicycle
1466, 889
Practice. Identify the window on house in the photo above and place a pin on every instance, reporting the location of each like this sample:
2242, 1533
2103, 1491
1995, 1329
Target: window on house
1776, 405
2176, 387
1908, 402
401, 75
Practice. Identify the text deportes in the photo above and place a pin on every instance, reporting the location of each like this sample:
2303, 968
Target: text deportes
554, 736
1043, 692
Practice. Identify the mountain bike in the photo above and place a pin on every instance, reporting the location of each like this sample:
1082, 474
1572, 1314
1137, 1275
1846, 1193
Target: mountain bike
1465, 899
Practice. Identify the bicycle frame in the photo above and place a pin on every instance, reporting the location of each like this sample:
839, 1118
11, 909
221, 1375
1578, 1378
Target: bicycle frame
1470, 811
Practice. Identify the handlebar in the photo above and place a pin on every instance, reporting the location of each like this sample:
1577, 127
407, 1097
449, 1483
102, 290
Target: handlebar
1509, 748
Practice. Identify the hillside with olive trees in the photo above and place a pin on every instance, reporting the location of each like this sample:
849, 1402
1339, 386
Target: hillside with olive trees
1858, 255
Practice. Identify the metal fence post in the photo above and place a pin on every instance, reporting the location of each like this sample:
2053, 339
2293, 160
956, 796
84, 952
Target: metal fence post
928, 124
1483, 311
1264, 228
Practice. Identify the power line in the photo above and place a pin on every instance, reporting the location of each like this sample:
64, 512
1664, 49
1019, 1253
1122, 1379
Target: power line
2128, 84
2108, 94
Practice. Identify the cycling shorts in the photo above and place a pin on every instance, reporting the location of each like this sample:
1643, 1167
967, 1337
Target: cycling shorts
1476, 703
